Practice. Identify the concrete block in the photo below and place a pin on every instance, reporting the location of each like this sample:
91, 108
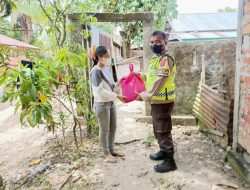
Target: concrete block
176, 120
246, 60
246, 29
247, 9
247, 2
245, 79
245, 68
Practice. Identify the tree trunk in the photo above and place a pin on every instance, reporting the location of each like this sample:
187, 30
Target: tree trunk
128, 49
26, 26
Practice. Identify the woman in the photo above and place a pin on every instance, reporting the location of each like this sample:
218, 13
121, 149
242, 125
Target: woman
103, 86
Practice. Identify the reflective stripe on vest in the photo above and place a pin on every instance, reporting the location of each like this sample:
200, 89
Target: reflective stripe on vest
167, 92
163, 94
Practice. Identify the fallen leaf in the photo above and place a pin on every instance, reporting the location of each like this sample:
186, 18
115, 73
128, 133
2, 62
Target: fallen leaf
1, 162
188, 133
35, 162
2, 71
86, 145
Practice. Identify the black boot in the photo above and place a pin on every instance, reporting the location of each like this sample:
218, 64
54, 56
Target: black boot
158, 156
167, 165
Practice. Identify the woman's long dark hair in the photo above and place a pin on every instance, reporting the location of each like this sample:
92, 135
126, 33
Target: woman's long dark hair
100, 51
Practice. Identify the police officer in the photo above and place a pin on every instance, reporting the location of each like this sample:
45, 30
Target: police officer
160, 94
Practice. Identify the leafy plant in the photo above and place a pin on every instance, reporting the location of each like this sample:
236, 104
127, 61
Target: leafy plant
41, 180
7, 30
149, 140
162, 10
48, 94
6, 7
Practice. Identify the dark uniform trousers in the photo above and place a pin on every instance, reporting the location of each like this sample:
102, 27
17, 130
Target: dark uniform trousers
162, 124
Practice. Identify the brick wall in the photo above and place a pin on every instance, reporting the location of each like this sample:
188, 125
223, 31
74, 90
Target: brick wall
244, 101
219, 58
136, 52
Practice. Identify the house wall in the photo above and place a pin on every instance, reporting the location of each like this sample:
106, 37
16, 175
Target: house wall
136, 52
243, 122
99, 37
117, 50
219, 59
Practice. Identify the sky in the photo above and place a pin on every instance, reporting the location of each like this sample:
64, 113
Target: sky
204, 6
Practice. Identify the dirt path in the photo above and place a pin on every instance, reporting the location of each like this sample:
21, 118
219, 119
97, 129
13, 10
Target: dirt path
17, 145
200, 166
200, 161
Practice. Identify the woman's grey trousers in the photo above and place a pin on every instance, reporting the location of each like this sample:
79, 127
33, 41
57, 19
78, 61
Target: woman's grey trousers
107, 120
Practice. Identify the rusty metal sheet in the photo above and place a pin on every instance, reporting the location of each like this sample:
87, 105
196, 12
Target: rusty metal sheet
105, 41
214, 110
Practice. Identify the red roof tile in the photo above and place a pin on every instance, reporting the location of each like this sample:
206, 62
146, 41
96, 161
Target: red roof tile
4, 40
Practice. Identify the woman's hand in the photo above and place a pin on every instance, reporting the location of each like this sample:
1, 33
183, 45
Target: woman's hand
139, 98
137, 73
119, 82
121, 98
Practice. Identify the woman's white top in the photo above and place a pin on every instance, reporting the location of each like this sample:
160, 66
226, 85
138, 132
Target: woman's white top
103, 84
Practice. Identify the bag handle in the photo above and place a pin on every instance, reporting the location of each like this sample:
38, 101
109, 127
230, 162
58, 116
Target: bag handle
131, 68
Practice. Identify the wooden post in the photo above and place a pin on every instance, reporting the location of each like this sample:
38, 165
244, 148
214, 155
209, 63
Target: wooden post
147, 53
203, 70
237, 76
147, 19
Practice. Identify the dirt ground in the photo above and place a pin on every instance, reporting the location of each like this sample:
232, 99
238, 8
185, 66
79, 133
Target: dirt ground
200, 161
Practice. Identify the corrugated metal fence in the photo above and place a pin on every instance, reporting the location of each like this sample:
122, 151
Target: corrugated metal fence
214, 111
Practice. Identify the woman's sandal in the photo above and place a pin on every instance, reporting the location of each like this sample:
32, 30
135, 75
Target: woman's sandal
117, 154
110, 159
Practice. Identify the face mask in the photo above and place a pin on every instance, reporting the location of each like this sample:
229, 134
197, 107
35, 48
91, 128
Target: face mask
106, 62
157, 49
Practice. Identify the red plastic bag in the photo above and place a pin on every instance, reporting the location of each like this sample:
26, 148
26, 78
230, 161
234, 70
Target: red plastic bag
132, 85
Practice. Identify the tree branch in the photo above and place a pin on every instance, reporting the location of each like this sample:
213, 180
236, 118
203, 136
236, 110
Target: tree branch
52, 22
62, 104
58, 39
45, 12
68, 6
64, 31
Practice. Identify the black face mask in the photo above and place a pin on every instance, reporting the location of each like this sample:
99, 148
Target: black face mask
157, 49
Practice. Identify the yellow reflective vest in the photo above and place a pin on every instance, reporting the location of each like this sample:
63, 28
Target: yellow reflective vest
167, 92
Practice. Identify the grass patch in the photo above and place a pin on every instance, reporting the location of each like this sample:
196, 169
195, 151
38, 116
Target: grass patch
149, 140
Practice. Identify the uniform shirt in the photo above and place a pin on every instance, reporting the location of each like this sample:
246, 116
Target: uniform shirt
103, 84
166, 66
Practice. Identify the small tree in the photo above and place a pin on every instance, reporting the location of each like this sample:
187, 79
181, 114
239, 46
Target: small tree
6, 7
163, 10
58, 78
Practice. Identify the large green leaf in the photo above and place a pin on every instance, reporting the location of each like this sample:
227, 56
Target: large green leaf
25, 85
25, 99
23, 115
36, 116
3, 79
30, 121
33, 93
17, 107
